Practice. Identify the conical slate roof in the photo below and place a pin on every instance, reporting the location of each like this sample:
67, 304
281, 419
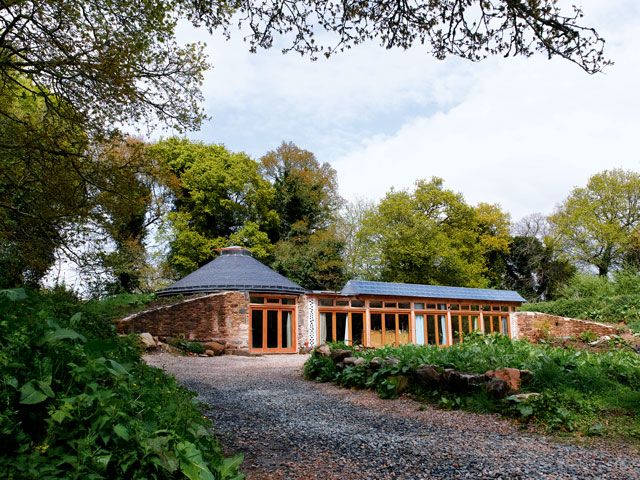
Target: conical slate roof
234, 269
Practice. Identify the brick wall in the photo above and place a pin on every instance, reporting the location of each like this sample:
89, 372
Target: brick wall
534, 325
221, 317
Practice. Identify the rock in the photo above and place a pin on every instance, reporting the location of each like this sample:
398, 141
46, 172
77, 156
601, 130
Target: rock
510, 375
209, 353
497, 388
461, 382
217, 348
353, 361
391, 362
375, 363
524, 397
147, 341
428, 375
323, 350
526, 376
339, 355
600, 341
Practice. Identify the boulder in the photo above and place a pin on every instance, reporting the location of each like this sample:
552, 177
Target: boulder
391, 362
353, 361
217, 348
147, 341
209, 353
509, 375
375, 363
497, 388
323, 350
460, 382
428, 375
338, 355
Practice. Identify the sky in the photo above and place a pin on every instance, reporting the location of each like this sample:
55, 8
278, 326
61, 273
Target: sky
519, 132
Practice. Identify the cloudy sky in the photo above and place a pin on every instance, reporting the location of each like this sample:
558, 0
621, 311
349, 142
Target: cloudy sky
517, 132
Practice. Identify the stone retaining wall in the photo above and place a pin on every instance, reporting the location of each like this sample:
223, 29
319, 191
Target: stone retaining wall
535, 325
221, 317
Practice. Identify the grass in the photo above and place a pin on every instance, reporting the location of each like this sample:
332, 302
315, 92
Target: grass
583, 393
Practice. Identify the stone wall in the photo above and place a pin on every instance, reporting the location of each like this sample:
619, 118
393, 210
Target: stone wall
221, 317
535, 325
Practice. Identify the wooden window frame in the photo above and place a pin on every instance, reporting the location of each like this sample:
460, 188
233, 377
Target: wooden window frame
279, 308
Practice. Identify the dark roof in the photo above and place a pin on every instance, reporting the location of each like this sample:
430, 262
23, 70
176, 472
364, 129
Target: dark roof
234, 269
360, 287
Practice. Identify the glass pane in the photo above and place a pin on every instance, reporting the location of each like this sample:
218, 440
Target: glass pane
342, 303
487, 323
357, 328
390, 329
456, 331
486, 308
326, 302
504, 327
495, 322
272, 329
375, 304
323, 328
454, 306
442, 306
475, 323
504, 308
286, 329
442, 329
376, 330
431, 306
328, 319
431, 330
465, 325
420, 329
341, 327
288, 301
256, 299
496, 308
357, 303
404, 305
475, 308
256, 329
403, 329
464, 307
273, 300
390, 304
418, 306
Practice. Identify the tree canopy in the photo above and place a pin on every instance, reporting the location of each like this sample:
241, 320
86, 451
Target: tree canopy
599, 224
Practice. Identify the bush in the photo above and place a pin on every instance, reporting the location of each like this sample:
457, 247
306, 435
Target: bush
186, 345
578, 388
77, 402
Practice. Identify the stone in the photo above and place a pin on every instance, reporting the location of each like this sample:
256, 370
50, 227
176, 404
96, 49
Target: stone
216, 347
510, 375
428, 375
338, 355
375, 363
391, 362
461, 382
524, 397
323, 350
497, 388
147, 341
209, 353
353, 361
526, 376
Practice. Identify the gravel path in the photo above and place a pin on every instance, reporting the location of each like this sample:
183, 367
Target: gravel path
289, 428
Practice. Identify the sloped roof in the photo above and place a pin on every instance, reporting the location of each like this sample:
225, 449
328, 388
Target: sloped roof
234, 269
361, 287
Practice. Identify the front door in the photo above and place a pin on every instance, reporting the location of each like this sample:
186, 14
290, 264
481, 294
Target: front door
272, 330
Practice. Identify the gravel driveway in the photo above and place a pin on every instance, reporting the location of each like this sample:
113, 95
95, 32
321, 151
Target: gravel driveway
289, 428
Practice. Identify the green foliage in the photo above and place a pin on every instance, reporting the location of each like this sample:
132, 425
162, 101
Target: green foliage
186, 345
430, 235
591, 297
77, 402
597, 224
578, 388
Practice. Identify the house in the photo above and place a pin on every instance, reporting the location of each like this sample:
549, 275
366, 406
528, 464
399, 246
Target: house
242, 303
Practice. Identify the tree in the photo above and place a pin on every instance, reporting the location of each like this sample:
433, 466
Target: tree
218, 195
430, 235
359, 259
305, 190
598, 225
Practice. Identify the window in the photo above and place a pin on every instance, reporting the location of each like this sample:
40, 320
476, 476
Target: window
326, 302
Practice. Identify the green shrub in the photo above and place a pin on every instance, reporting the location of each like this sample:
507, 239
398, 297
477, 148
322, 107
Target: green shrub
77, 402
577, 387
187, 346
